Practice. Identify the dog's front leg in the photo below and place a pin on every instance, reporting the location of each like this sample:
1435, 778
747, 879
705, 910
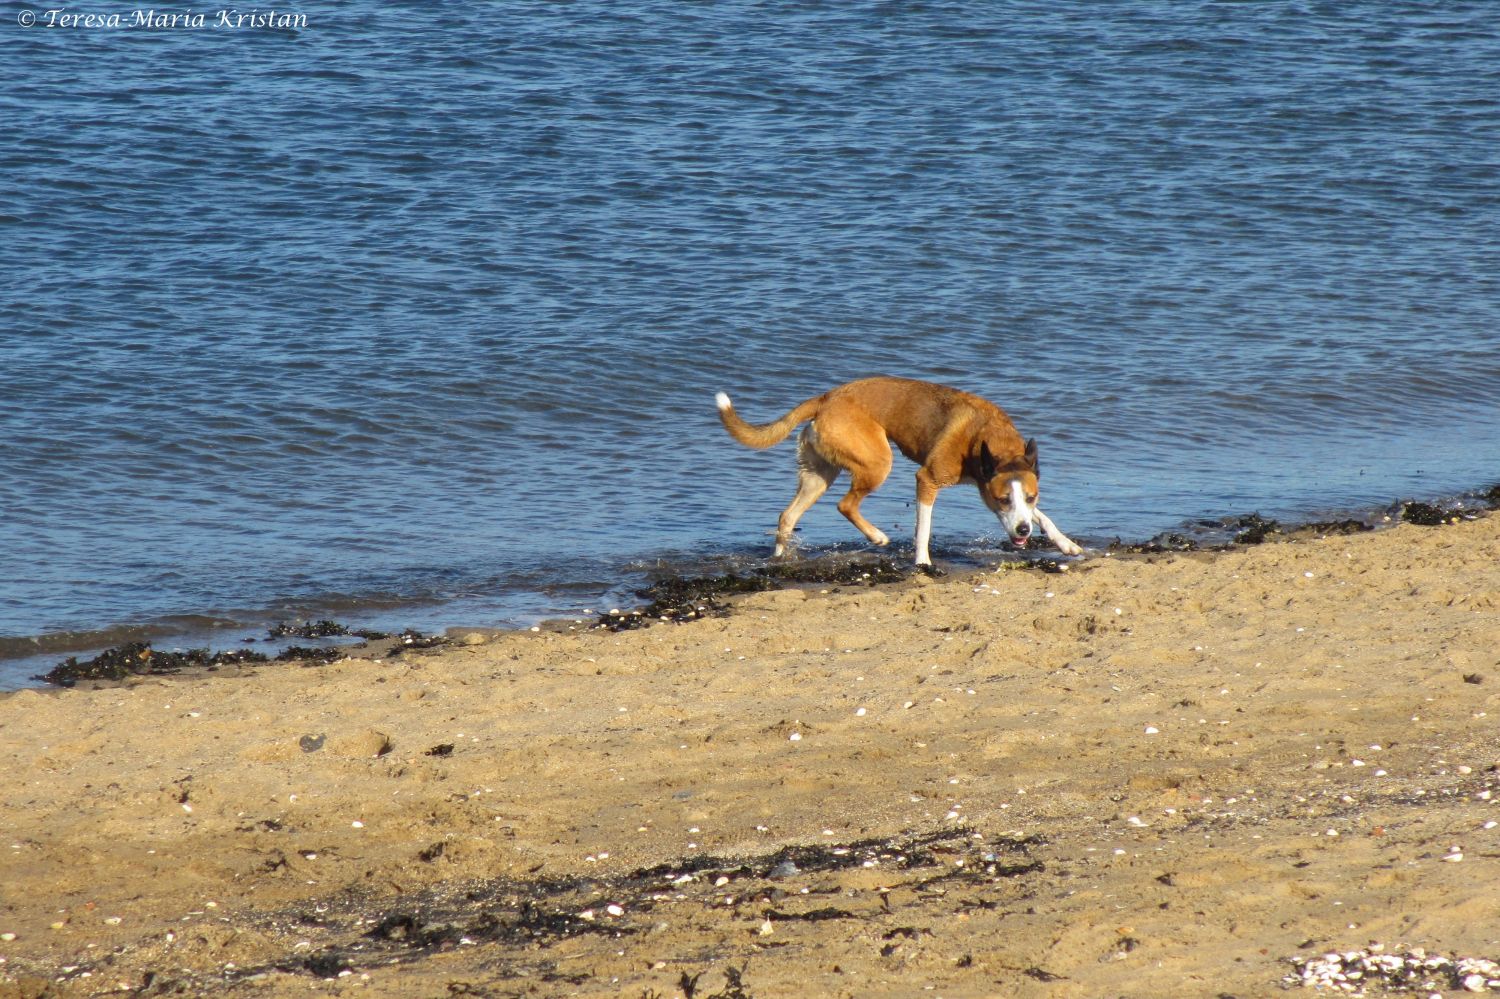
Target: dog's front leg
1061, 540
924, 533
927, 490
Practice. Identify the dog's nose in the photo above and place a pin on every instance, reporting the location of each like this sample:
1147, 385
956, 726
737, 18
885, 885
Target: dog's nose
1023, 530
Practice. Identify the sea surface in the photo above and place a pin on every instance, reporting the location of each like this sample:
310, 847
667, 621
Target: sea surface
413, 314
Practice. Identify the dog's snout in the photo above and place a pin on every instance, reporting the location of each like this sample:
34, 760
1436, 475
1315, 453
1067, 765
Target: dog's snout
1023, 530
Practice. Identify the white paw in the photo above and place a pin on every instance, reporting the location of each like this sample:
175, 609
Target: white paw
1070, 548
879, 538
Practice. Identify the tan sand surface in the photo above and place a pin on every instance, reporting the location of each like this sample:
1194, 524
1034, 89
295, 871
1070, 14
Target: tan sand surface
1145, 776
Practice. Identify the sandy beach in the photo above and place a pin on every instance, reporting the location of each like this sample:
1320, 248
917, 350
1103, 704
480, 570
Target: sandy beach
1144, 776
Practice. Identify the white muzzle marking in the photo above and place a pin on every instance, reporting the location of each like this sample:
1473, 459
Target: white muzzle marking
1017, 520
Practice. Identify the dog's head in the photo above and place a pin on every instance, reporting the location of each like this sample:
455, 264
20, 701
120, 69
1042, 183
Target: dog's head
1010, 490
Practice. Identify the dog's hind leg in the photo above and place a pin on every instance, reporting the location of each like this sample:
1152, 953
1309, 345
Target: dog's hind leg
867, 476
847, 436
814, 475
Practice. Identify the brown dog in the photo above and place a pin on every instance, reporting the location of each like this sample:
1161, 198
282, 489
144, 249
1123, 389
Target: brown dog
953, 436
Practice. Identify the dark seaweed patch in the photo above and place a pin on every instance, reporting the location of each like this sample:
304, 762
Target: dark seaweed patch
514, 922
855, 573
1253, 529
689, 598
1347, 526
140, 659
311, 654
327, 629
1168, 541
1424, 514
1244, 529
684, 600
523, 918
412, 640
906, 853
308, 629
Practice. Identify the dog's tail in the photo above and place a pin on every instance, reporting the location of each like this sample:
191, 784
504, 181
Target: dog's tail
766, 434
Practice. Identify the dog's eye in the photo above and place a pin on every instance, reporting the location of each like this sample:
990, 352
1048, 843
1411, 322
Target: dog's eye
1031, 500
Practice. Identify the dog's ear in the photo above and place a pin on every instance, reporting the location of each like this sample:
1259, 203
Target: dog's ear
1031, 455
988, 467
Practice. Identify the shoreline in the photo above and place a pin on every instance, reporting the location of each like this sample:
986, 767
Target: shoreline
677, 598
1173, 774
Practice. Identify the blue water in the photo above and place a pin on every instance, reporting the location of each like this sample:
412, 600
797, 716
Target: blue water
414, 314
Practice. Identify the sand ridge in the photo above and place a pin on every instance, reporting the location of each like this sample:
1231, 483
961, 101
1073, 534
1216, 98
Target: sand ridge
1144, 776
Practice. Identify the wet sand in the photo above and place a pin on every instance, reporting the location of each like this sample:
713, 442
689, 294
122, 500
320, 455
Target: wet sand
1145, 776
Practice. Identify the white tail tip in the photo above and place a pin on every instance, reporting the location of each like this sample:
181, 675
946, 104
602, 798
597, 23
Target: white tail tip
723, 401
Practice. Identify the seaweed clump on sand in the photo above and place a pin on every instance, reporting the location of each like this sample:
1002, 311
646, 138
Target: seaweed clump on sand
1167, 541
952, 869
309, 629
409, 640
1253, 529
1245, 529
1348, 525
1428, 513
140, 659
681, 599
328, 629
